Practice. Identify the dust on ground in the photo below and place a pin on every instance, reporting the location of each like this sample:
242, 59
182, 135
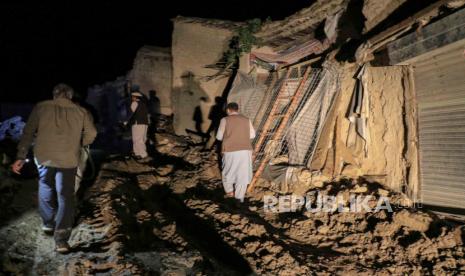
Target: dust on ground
169, 217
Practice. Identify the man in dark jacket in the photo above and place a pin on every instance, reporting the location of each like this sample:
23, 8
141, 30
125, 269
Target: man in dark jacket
61, 128
139, 124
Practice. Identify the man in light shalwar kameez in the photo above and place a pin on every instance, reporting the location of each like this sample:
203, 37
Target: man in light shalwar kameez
235, 132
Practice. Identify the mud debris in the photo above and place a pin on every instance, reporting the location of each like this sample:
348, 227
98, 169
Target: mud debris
167, 218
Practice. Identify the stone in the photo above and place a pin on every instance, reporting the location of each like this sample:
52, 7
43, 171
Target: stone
414, 220
359, 189
165, 170
383, 192
323, 229
351, 171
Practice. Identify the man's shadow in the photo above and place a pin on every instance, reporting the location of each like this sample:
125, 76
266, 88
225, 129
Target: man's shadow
187, 103
215, 115
217, 112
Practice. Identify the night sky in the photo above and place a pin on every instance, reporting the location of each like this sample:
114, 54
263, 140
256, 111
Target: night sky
84, 44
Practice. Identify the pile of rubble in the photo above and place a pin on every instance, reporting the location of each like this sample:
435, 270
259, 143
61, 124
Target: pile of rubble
398, 239
170, 217
404, 241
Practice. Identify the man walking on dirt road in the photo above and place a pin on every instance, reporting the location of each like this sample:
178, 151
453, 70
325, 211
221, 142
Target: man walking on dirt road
139, 122
235, 132
60, 128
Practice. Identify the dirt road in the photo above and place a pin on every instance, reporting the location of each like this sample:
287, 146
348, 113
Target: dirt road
170, 218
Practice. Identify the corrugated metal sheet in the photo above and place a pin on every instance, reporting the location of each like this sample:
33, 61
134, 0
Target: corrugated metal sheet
440, 86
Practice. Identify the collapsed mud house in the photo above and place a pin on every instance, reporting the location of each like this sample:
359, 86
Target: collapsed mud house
333, 99
369, 61
351, 89
336, 88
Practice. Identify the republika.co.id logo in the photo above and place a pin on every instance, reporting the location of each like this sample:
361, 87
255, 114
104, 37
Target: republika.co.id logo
316, 202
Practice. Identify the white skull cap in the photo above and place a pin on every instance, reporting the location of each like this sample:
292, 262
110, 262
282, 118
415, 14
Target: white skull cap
136, 94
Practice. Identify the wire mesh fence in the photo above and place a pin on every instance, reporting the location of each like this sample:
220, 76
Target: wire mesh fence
276, 110
266, 105
250, 109
294, 145
249, 92
294, 119
288, 111
302, 135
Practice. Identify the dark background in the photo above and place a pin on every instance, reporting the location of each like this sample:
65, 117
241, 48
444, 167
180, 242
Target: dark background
42, 44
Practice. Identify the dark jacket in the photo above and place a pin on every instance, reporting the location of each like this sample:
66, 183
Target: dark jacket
141, 115
154, 106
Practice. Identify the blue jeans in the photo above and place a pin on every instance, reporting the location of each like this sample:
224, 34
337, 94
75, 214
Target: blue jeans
56, 199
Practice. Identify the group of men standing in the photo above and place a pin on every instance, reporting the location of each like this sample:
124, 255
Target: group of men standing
58, 129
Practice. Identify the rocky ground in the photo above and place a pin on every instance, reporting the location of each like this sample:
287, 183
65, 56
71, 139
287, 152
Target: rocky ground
169, 217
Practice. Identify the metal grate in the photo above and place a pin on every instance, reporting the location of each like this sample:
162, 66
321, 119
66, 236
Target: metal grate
265, 106
440, 89
249, 109
287, 100
285, 150
276, 111
294, 118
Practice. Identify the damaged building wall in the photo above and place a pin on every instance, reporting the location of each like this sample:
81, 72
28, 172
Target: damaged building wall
152, 71
436, 52
196, 43
299, 27
387, 149
108, 102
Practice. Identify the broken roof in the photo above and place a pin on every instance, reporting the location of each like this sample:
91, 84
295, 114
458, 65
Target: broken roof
298, 30
283, 34
299, 27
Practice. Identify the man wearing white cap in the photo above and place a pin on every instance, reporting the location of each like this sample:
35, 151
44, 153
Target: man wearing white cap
139, 124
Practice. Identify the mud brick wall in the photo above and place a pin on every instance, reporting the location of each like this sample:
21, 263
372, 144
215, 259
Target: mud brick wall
389, 154
152, 71
195, 46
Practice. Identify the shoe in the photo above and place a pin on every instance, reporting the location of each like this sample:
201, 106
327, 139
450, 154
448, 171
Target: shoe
132, 155
227, 195
62, 247
232, 202
48, 230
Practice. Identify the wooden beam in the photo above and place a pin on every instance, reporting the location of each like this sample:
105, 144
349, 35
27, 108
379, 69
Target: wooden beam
299, 64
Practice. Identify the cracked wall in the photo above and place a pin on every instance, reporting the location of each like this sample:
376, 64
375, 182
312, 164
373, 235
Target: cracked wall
388, 153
